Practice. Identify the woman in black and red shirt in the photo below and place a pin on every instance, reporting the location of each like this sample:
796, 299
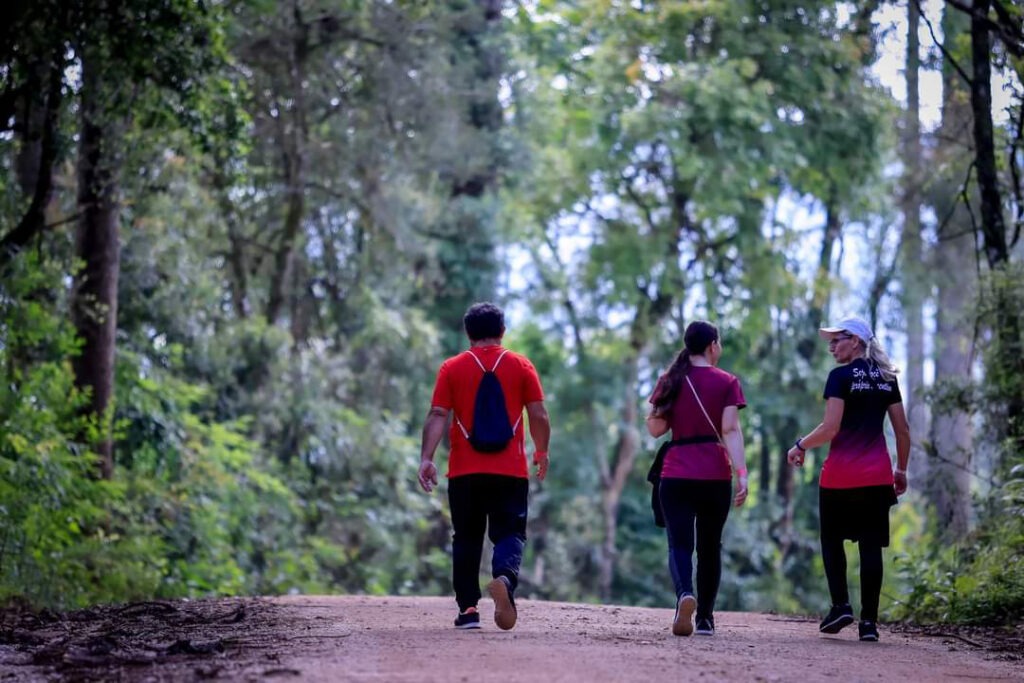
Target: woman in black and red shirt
858, 484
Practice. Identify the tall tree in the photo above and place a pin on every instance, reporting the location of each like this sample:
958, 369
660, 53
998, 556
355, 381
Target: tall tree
34, 55
914, 280
94, 294
1009, 356
950, 441
131, 55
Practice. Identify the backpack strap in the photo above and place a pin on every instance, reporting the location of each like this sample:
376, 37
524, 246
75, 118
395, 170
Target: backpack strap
473, 356
516, 425
495, 362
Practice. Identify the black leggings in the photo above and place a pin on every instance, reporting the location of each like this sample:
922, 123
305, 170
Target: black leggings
833, 556
695, 513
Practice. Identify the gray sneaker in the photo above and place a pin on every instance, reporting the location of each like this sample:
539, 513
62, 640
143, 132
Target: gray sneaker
682, 623
504, 605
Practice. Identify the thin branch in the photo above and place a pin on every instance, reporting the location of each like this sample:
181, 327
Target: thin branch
942, 48
63, 221
1016, 176
949, 215
644, 208
1002, 29
974, 228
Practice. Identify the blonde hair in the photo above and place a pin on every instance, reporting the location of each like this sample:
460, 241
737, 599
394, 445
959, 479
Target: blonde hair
877, 356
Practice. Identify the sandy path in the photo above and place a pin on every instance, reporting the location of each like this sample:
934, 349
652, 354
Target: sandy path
410, 639
359, 638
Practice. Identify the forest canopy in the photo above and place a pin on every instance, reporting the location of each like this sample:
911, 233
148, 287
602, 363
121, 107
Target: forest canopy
237, 239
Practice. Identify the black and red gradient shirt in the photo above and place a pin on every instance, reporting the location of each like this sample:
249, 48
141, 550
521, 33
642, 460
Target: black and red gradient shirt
858, 455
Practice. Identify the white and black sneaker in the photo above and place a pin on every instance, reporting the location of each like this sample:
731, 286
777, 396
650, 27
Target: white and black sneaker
468, 619
839, 617
705, 626
868, 631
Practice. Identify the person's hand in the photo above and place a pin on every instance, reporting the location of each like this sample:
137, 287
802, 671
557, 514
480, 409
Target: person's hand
901, 482
428, 475
795, 457
741, 490
540, 459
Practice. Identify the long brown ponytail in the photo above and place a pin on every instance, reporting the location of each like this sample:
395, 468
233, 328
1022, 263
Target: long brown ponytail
699, 335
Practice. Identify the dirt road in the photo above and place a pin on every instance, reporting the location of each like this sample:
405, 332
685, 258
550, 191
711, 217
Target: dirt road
358, 638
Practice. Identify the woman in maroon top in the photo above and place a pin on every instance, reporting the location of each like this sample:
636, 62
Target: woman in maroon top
858, 484
700, 404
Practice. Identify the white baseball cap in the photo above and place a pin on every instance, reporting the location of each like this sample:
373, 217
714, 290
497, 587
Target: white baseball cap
853, 324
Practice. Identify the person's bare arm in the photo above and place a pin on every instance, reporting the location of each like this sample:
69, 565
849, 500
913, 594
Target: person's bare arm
822, 434
433, 432
732, 439
656, 425
540, 432
901, 427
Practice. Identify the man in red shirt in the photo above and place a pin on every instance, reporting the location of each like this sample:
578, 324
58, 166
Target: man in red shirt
486, 489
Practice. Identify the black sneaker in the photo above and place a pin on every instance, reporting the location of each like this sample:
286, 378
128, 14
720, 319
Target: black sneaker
682, 622
705, 626
868, 631
839, 617
504, 604
468, 619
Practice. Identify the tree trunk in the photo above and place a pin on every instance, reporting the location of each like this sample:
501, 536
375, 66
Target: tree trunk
947, 485
765, 460
614, 477
294, 136
238, 278
38, 152
914, 280
1009, 358
94, 292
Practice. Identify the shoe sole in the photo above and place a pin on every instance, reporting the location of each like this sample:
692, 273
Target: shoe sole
466, 627
682, 625
869, 639
702, 632
504, 612
838, 625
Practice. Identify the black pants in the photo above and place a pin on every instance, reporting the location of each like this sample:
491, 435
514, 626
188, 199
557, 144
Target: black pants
494, 503
833, 556
695, 514
860, 515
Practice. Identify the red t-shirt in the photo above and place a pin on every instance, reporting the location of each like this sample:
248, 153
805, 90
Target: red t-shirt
717, 389
455, 390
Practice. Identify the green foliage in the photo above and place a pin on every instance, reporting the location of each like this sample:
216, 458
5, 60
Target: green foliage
64, 539
645, 150
980, 581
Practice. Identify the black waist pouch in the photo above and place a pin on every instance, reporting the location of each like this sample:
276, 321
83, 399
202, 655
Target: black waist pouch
654, 474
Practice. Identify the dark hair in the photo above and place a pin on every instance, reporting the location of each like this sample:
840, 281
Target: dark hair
698, 337
484, 321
